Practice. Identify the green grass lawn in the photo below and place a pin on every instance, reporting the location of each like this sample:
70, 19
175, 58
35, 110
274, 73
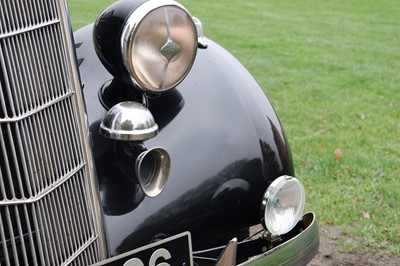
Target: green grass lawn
332, 71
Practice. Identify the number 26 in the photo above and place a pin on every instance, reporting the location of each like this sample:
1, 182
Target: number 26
162, 252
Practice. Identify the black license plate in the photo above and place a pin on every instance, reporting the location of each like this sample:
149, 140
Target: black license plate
175, 251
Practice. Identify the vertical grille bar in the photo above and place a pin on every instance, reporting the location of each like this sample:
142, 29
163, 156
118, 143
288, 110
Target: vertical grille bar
49, 206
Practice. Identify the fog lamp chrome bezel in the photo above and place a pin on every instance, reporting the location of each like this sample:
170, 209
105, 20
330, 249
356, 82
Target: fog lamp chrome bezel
128, 35
292, 205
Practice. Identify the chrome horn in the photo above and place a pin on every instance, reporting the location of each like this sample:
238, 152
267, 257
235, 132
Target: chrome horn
152, 170
130, 123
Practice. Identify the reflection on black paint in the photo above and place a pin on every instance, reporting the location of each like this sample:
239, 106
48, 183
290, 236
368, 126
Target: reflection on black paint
223, 201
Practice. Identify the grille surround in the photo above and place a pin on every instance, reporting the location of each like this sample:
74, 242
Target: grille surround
49, 206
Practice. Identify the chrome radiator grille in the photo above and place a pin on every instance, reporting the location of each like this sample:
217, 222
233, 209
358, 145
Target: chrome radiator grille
49, 210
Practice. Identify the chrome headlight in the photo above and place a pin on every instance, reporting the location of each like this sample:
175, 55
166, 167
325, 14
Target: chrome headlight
283, 205
157, 43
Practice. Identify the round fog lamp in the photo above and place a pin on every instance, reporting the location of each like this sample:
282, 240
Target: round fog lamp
159, 45
283, 205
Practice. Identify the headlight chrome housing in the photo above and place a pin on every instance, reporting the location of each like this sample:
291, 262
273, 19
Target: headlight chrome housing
283, 205
158, 45
150, 45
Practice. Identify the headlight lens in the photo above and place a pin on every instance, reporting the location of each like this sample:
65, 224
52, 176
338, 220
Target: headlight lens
159, 45
283, 205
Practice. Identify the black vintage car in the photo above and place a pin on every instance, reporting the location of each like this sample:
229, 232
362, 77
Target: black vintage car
138, 141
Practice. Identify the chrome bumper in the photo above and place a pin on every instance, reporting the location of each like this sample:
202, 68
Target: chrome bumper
298, 247
298, 250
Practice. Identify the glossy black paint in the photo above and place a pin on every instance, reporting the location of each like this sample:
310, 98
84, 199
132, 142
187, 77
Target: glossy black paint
107, 34
226, 146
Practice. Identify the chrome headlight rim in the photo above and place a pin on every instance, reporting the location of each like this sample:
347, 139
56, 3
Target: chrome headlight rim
128, 34
282, 225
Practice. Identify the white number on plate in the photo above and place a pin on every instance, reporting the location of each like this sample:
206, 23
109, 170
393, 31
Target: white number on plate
162, 252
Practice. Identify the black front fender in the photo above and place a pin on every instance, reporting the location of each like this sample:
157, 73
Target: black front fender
226, 146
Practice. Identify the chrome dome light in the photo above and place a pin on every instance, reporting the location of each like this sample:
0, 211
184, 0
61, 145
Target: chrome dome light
158, 45
128, 121
283, 205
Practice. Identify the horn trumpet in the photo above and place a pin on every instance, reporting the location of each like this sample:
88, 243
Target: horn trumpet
152, 170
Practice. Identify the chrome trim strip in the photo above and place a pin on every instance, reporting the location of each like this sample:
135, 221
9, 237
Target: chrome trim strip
31, 28
36, 110
44, 192
84, 127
